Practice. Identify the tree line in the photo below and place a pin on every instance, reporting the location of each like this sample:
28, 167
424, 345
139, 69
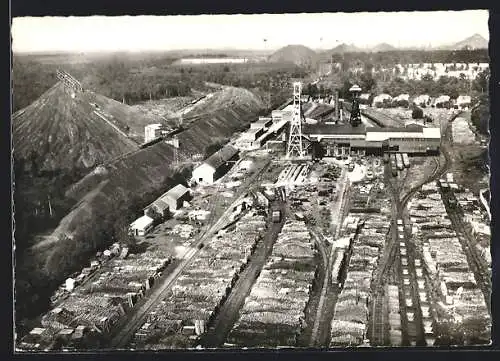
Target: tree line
391, 58
130, 80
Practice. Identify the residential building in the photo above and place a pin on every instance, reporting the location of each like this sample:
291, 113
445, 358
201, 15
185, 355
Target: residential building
463, 101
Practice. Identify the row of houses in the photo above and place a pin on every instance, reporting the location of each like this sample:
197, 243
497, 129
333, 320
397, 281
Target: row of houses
422, 100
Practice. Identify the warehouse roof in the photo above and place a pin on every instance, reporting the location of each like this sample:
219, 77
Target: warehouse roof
263, 120
176, 192
221, 156
141, 222
322, 128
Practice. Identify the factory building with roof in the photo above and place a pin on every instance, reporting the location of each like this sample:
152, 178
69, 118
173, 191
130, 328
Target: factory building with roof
141, 226
168, 202
339, 140
216, 165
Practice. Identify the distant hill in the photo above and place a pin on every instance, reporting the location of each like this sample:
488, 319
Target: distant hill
383, 47
345, 48
66, 132
475, 41
297, 54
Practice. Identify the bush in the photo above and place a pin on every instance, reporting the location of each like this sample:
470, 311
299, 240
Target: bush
480, 118
417, 113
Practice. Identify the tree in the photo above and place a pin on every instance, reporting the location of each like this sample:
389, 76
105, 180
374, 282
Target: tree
367, 82
417, 113
481, 82
480, 118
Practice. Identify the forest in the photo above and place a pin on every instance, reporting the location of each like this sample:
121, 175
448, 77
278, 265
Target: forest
391, 58
133, 80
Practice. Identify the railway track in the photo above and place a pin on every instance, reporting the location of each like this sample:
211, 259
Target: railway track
121, 337
229, 311
413, 332
326, 288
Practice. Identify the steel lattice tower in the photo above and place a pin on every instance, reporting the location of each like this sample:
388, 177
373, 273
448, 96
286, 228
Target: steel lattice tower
295, 148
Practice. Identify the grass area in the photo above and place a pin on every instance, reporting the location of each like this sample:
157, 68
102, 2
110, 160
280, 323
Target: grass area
469, 166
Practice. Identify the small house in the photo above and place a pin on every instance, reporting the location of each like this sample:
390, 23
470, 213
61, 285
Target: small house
463, 101
216, 165
442, 101
365, 98
422, 100
402, 100
170, 201
381, 100
141, 226
176, 196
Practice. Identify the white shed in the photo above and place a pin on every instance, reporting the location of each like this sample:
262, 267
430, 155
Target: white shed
141, 226
215, 166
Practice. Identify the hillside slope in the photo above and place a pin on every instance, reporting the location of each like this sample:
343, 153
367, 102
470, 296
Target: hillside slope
297, 54
147, 170
66, 132
475, 41
382, 47
345, 48
124, 115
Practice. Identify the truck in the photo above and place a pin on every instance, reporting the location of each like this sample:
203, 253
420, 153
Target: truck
276, 216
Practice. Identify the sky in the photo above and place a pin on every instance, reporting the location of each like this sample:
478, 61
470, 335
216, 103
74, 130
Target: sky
317, 31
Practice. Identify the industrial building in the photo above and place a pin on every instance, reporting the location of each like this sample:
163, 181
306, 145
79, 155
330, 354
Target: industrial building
216, 165
339, 140
170, 201
153, 131
262, 123
141, 226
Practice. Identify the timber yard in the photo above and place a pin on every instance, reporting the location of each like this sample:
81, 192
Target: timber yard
298, 233
228, 199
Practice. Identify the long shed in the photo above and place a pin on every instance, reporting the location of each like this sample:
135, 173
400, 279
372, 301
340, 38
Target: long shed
216, 165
